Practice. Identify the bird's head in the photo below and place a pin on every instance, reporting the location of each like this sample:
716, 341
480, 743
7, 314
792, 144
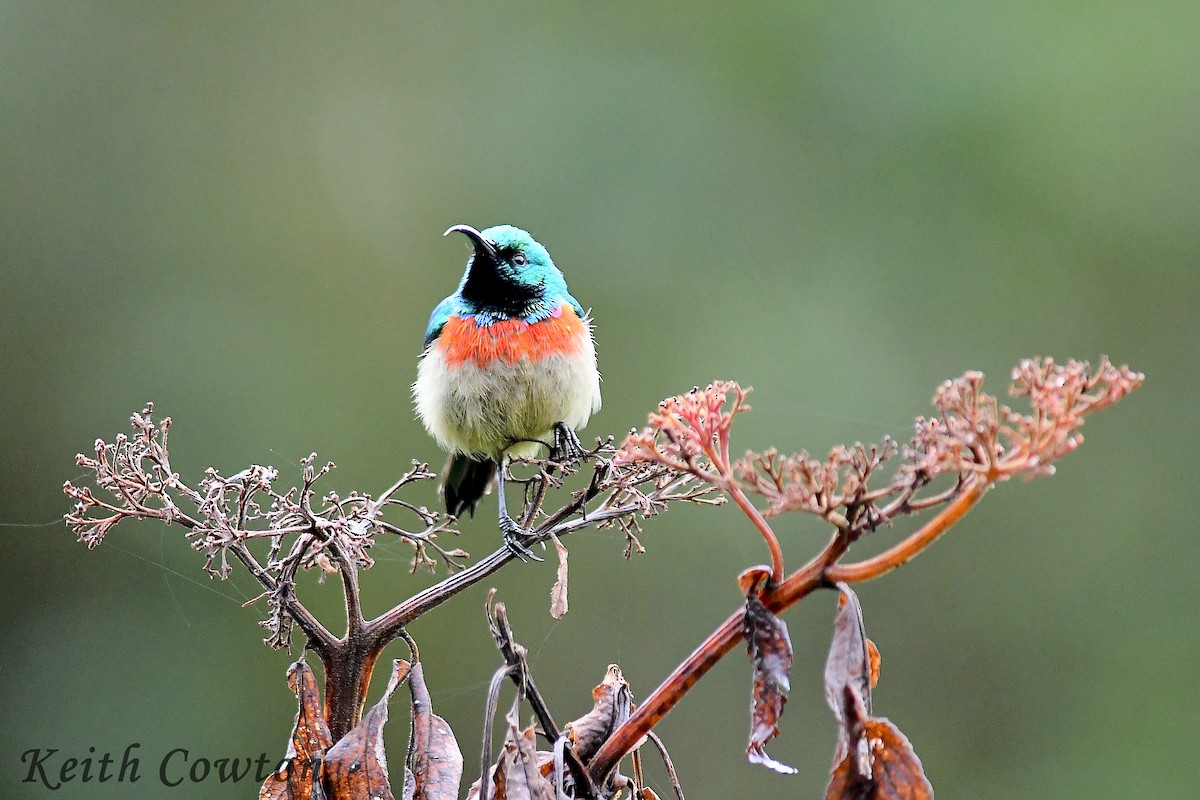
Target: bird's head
509, 273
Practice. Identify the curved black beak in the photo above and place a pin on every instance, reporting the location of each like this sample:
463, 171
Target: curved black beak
482, 245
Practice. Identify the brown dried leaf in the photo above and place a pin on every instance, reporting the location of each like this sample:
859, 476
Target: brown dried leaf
356, 767
849, 661
770, 652
437, 760
892, 770
310, 735
523, 764
753, 580
558, 592
521, 770
611, 707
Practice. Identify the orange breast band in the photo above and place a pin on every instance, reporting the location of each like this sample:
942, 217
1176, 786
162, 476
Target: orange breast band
464, 340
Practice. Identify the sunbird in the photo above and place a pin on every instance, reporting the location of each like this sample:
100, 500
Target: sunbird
508, 368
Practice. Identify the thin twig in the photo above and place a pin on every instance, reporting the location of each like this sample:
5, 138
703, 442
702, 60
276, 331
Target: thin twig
666, 757
490, 707
318, 634
518, 669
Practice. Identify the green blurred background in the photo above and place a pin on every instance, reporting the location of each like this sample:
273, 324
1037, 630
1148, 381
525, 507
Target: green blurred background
235, 210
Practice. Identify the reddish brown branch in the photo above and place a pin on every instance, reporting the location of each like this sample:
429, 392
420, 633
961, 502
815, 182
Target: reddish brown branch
764, 528
702, 659
905, 551
820, 571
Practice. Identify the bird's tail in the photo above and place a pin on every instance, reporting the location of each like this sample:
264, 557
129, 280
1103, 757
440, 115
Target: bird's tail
466, 481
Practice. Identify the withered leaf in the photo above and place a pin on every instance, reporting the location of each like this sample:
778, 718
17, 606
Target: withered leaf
849, 662
558, 592
770, 652
437, 760
753, 580
895, 772
520, 770
875, 760
310, 735
873, 658
356, 767
610, 708
523, 764
852, 734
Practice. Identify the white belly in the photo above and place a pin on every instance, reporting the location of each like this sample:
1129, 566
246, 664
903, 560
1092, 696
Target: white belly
497, 409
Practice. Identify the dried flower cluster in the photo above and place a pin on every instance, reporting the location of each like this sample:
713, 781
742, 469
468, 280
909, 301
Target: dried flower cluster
230, 509
972, 434
689, 433
625, 494
229, 512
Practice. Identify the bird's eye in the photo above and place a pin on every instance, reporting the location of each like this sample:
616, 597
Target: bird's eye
519, 260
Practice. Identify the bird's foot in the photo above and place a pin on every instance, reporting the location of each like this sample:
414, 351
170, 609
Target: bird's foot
567, 446
515, 537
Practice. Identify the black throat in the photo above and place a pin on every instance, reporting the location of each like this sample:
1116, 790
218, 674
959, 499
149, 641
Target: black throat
485, 289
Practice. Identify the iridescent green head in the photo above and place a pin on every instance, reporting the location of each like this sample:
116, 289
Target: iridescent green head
509, 275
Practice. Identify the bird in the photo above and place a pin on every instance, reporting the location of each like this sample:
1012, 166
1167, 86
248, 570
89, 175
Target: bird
508, 368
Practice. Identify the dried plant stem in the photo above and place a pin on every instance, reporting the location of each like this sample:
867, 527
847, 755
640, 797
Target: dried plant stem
354, 617
517, 668
668, 763
385, 625
348, 667
820, 571
349, 661
489, 717
890, 559
679, 682
317, 633
764, 528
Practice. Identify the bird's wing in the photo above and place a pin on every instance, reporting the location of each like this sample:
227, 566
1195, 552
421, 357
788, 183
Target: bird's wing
578, 308
437, 320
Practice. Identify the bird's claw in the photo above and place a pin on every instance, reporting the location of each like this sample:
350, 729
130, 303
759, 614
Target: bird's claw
514, 540
567, 446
